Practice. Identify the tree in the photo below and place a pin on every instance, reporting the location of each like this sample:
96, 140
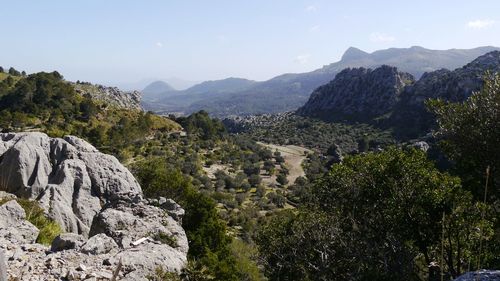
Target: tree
363, 144
1, 69
209, 244
281, 179
254, 180
14, 72
388, 209
470, 134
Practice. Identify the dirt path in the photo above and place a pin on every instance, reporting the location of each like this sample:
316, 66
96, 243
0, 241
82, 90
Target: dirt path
294, 155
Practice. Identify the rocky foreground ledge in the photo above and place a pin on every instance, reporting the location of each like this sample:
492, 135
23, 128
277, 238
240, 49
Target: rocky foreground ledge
109, 228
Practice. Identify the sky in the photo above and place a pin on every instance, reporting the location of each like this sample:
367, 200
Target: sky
122, 42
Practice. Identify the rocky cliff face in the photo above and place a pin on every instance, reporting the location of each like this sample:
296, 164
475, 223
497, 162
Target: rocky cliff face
410, 115
110, 95
358, 94
363, 94
89, 194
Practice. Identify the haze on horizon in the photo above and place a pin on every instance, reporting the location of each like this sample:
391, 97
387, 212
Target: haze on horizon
118, 42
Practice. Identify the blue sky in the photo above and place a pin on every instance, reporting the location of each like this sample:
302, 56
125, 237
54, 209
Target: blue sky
116, 41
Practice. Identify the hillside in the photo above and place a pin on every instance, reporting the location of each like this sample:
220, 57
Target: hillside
156, 90
110, 95
410, 116
178, 101
393, 97
290, 91
358, 94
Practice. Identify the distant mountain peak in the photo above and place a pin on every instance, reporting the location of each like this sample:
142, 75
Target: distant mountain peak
353, 53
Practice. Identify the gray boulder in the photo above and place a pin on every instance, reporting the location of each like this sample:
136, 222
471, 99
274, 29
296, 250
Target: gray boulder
69, 177
3, 267
67, 241
99, 244
482, 275
421, 145
172, 208
146, 258
126, 224
13, 224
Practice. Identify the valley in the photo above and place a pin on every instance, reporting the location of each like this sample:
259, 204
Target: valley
372, 155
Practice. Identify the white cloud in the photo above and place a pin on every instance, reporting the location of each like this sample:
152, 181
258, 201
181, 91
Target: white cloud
378, 37
480, 24
314, 28
311, 8
159, 44
302, 59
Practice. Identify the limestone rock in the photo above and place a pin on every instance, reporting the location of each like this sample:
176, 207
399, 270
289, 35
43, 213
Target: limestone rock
99, 244
482, 275
13, 225
3, 267
146, 258
67, 241
69, 177
172, 208
110, 95
421, 145
84, 191
126, 224
358, 93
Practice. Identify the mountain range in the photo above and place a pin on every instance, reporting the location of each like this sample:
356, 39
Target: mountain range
390, 98
237, 96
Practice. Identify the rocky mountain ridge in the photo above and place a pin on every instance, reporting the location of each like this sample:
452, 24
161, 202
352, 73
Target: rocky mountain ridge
396, 99
110, 95
98, 204
358, 93
410, 116
289, 91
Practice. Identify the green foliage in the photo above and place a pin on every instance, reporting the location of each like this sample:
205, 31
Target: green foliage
289, 128
381, 212
281, 179
208, 241
14, 72
201, 124
46, 102
165, 239
245, 255
470, 136
470, 133
304, 246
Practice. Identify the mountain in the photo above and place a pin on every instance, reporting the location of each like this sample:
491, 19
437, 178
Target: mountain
415, 60
358, 94
156, 90
392, 99
179, 101
110, 95
410, 116
290, 91
227, 85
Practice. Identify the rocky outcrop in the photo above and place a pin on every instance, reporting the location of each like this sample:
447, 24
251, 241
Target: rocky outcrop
110, 95
482, 275
13, 225
97, 202
69, 177
410, 116
358, 94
